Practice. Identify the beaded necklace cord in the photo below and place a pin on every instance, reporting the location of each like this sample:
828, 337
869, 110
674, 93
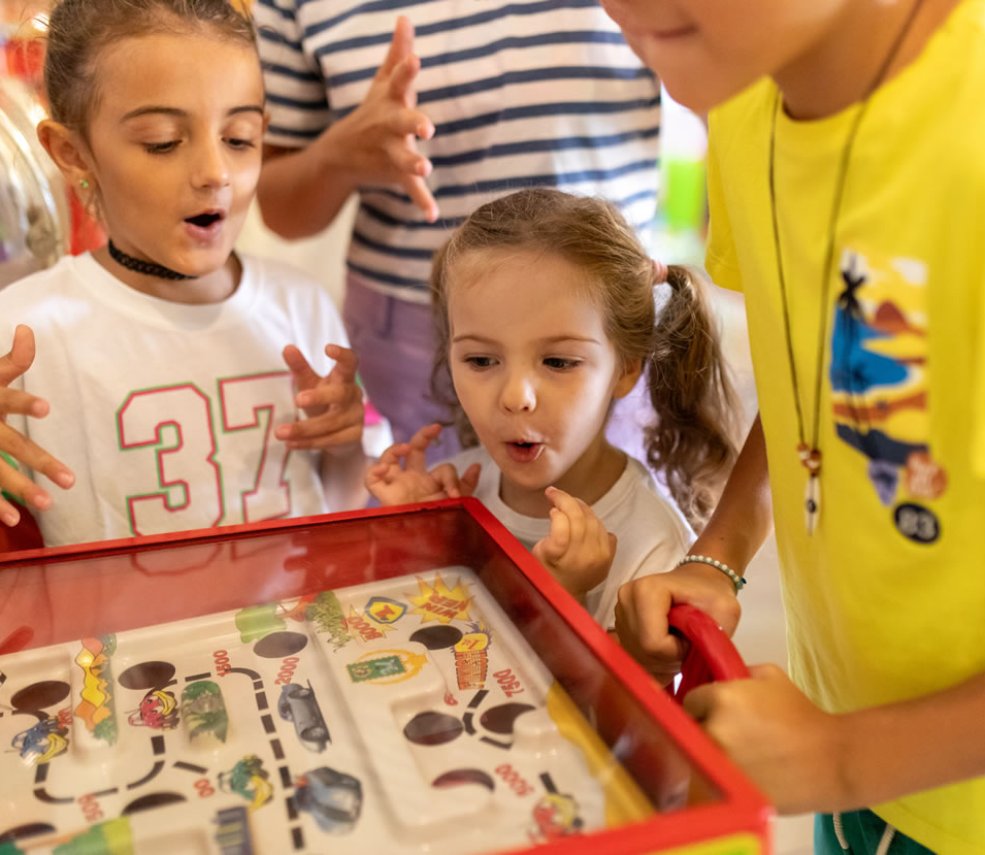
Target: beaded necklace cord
809, 453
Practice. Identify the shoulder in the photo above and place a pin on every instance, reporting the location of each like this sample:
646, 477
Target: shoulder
28, 295
288, 285
293, 299
636, 504
750, 108
275, 273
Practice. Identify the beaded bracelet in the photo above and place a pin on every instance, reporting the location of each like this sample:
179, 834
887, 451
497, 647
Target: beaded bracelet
737, 580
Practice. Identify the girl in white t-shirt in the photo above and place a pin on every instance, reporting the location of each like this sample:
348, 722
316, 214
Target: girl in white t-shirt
188, 385
545, 312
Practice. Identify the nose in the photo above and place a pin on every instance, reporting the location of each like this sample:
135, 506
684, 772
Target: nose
518, 394
211, 165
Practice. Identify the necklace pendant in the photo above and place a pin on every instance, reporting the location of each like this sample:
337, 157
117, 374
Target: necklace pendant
812, 502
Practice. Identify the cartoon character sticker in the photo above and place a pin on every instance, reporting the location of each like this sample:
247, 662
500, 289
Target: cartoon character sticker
40, 743
158, 710
250, 780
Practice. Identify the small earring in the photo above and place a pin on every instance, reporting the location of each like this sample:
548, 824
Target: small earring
84, 183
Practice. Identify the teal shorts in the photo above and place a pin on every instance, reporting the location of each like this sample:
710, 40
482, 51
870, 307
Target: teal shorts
861, 833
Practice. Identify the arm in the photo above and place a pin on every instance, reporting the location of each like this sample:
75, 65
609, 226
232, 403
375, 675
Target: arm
741, 521
808, 760
16, 447
302, 191
401, 474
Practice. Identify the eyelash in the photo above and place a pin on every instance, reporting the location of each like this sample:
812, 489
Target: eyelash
161, 148
560, 363
171, 145
555, 363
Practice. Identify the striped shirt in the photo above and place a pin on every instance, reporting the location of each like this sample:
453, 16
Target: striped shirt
531, 92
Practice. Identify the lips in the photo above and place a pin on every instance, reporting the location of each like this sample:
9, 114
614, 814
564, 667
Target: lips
205, 225
205, 219
524, 452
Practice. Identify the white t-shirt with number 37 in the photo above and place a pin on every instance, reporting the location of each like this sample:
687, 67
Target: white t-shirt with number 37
166, 411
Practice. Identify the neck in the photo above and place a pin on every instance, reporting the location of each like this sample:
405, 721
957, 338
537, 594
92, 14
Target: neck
213, 287
843, 66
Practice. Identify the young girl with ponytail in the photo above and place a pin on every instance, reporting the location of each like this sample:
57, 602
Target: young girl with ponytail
547, 310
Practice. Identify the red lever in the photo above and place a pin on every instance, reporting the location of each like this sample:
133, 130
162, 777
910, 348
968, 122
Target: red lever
712, 655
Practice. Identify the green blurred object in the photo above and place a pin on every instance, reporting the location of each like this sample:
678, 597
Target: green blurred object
684, 193
13, 463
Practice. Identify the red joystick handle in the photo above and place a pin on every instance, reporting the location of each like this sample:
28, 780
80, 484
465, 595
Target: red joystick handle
712, 655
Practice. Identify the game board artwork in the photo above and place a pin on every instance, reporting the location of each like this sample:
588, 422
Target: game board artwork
405, 715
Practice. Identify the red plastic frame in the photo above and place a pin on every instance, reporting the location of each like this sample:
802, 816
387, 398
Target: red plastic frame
237, 564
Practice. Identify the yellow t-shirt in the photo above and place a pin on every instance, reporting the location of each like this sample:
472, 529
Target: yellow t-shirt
886, 600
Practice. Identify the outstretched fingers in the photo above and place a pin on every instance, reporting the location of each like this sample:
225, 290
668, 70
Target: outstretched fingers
333, 405
401, 47
418, 446
346, 364
402, 476
15, 447
452, 484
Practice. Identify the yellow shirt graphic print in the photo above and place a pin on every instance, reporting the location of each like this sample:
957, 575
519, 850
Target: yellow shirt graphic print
879, 374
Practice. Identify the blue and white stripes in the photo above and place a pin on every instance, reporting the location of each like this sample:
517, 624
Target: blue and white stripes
520, 93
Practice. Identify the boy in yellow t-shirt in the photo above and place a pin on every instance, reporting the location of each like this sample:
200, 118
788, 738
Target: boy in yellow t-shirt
847, 199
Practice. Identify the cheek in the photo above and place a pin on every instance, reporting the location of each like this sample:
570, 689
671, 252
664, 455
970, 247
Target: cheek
246, 180
130, 205
465, 387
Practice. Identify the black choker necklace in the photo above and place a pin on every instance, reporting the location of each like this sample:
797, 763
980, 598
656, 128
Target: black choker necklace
148, 268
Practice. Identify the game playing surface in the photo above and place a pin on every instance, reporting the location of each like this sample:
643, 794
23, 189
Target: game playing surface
406, 715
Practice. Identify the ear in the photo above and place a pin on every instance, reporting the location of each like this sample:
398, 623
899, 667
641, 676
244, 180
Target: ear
631, 371
68, 150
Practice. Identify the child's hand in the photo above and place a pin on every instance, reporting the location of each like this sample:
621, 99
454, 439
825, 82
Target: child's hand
16, 445
641, 613
377, 139
333, 404
401, 475
790, 748
578, 550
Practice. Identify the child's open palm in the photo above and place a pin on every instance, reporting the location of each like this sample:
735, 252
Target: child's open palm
16, 445
579, 549
401, 475
333, 404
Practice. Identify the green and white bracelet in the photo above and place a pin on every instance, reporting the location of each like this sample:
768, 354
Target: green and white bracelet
737, 580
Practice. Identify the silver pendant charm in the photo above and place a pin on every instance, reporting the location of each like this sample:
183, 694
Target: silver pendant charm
812, 502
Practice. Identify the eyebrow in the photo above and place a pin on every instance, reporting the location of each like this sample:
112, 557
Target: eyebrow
154, 109
554, 339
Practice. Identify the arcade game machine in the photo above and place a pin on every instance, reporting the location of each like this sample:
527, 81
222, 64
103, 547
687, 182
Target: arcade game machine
400, 680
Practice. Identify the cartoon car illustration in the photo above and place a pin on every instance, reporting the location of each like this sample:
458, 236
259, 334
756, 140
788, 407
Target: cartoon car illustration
298, 703
333, 798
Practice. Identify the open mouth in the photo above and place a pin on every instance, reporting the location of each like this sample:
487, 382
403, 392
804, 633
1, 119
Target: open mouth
205, 220
524, 452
